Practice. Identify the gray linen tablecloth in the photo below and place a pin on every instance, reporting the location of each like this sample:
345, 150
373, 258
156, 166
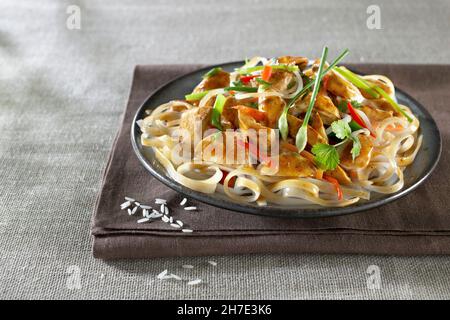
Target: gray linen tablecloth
61, 95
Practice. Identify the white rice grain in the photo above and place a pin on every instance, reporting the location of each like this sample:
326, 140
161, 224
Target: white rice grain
125, 205
143, 220
213, 263
194, 282
174, 225
162, 274
190, 208
183, 202
165, 218
174, 276
130, 199
187, 230
179, 222
187, 266
160, 201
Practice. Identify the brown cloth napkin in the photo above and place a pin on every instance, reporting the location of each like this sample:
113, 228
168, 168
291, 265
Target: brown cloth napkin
417, 224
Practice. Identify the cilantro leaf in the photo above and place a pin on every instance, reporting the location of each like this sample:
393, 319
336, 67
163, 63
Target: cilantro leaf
341, 129
326, 156
356, 104
356, 149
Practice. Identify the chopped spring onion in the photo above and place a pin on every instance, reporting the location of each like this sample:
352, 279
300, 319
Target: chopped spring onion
263, 83
241, 89
302, 137
282, 121
212, 72
217, 111
196, 96
357, 81
285, 67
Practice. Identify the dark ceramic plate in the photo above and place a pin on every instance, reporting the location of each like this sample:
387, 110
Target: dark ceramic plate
415, 174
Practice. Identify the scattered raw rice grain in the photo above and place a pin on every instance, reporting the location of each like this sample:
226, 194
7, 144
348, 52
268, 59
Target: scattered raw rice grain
171, 219
190, 208
174, 276
187, 230
162, 209
187, 266
166, 210
194, 282
125, 205
134, 210
175, 225
144, 206
143, 220
129, 211
160, 201
130, 199
165, 218
155, 214
213, 263
137, 204
183, 202
179, 222
145, 213
162, 274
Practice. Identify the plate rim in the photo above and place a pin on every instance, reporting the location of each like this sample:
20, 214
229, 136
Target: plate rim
279, 212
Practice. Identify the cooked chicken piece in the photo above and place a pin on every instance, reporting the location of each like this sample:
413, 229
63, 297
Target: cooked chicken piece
220, 80
313, 136
301, 62
247, 122
340, 175
363, 159
281, 80
341, 87
229, 117
317, 124
215, 148
380, 81
376, 115
384, 105
323, 105
273, 106
292, 164
195, 119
